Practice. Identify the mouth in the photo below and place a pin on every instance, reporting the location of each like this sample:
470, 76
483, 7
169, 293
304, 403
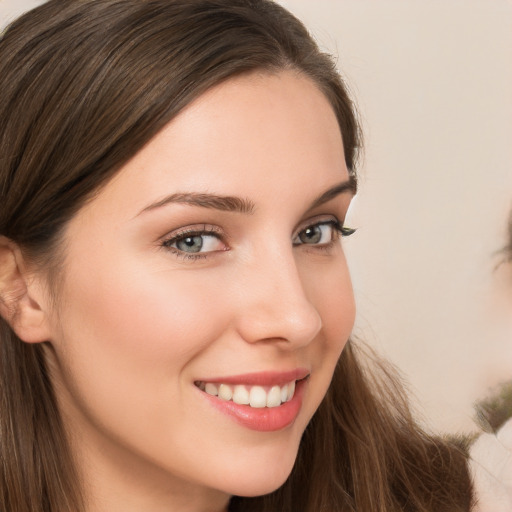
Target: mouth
254, 396
261, 402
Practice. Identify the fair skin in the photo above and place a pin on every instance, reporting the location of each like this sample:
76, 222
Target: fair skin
141, 322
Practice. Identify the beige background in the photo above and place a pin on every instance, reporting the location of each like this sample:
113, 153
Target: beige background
433, 81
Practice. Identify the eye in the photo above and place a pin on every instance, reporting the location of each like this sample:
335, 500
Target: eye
321, 233
316, 234
194, 242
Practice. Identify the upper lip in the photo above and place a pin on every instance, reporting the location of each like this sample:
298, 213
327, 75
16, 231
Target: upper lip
267, 378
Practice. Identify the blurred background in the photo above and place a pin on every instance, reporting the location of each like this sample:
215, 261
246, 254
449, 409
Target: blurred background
433, 83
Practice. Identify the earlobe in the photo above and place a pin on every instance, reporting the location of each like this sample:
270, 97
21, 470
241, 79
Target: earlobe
20, 296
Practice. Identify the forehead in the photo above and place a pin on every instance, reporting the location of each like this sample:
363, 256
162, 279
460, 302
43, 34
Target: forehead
247, 135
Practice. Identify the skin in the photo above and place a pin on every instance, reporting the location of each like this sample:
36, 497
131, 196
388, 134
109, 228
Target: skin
136, 322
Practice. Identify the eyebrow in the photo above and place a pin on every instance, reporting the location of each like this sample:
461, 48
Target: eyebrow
216, 202
239, 204
346, 186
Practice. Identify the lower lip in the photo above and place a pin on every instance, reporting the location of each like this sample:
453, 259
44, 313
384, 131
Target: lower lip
264, 419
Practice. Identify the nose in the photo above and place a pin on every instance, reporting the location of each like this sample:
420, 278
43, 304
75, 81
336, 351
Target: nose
273, 305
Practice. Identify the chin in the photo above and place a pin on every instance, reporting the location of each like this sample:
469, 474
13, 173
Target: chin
261, 478
260, 486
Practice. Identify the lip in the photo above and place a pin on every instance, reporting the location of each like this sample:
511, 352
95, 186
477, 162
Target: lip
270, 378
265, 419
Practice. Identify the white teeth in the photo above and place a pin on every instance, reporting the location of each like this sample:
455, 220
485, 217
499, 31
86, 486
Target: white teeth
211, 389
225, 392
274, 396
284, 393
241, 395
291, 390
255, 396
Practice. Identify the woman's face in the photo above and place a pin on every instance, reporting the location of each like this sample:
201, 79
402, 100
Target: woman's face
211, 263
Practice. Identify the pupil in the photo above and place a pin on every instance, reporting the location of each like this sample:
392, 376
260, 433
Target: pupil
191, 244
311, 235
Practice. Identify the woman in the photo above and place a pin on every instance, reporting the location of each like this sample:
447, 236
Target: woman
176, 304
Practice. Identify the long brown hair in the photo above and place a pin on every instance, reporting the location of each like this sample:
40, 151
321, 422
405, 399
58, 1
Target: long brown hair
85, 85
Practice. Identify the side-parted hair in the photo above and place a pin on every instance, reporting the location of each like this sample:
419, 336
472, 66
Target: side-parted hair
85, 84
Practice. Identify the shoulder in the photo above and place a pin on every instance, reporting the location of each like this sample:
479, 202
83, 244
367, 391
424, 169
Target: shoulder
490, 464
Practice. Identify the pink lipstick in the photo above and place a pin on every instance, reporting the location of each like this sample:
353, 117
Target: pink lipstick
264, 401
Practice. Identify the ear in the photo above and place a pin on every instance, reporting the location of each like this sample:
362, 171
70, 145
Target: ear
22, 296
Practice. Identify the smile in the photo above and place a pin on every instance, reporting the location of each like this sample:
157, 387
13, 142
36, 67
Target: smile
263, 401
254, 396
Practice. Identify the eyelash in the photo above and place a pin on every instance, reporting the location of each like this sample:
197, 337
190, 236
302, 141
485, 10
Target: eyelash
339, 231
189, 233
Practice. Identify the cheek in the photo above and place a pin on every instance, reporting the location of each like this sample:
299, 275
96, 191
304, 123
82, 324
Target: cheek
141, 310
126, 331
330, 290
